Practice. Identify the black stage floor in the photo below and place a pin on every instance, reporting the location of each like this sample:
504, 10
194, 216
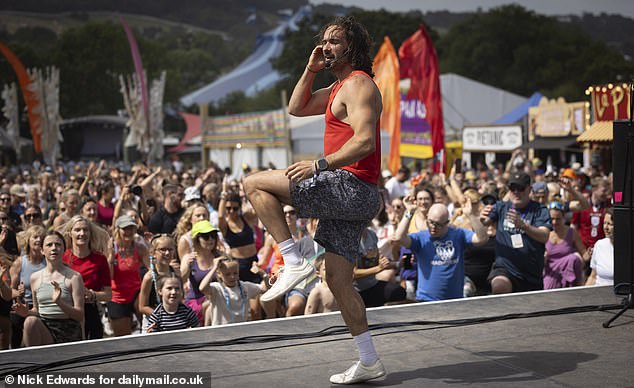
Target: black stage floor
570, 349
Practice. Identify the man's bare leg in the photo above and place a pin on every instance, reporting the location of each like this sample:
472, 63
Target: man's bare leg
268, 191
339, 279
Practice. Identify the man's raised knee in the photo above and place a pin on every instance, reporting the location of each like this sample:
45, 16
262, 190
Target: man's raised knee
249, 184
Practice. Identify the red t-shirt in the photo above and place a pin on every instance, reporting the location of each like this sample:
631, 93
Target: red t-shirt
126, 277
589, 223
93, 268
337, 133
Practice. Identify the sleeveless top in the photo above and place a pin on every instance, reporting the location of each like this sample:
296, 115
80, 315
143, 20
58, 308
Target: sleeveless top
240, 239
126, 277
196, 275
45, 306
337, 133
562, 248
105, 214
190, 242
26, 271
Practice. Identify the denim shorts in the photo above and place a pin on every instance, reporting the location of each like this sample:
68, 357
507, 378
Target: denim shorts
344, 204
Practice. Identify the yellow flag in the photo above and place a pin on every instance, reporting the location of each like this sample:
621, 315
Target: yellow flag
386, 76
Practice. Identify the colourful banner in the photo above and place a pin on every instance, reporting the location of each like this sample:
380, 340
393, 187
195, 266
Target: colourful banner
138, 68
419, 63
257, 129
415, 130
386, 76
30, 99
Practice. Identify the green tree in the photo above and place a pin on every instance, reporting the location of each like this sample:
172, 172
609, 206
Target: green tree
520, 51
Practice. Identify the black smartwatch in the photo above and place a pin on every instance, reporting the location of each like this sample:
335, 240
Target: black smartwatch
322, 165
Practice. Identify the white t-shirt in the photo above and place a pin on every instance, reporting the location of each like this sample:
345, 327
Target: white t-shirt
603, 262
395, 188
238, 306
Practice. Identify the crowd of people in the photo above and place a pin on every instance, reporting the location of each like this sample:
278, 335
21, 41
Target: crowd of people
149, 249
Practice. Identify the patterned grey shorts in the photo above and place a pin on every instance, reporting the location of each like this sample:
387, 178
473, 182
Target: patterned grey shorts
344, 204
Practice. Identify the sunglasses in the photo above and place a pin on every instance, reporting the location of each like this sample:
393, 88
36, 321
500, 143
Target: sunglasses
2, 219
436, 224
33, 216
207, 236
556, 205
517, 188
232, 208
290, 213
4, 199
488, 201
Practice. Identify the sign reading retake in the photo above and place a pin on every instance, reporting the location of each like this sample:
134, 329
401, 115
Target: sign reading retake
491, 138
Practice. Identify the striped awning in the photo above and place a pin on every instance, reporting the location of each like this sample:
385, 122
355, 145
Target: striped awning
599, 132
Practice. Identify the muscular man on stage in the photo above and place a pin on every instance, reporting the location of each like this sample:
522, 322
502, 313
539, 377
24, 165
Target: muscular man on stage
339, 189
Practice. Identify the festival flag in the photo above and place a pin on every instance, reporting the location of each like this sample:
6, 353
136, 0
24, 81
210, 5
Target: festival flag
419, 63
138, 67
30, 99
386, 76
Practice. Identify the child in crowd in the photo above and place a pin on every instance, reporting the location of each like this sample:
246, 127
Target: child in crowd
229, 296
162, 252
321, 299
171, 314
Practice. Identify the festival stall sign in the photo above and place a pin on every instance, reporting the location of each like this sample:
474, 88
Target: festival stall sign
558, 118
492, 138
256, 129
415, 130
610, 102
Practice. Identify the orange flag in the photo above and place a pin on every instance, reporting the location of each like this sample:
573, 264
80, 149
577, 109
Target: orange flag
30, 99
387, 78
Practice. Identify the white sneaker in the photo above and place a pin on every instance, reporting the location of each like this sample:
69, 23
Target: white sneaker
287, 279
358, 373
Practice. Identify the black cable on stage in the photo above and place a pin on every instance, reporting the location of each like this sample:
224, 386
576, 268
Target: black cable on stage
109, 357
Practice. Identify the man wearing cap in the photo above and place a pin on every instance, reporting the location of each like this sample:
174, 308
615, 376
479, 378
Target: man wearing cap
539, 193
396, 186
192, 194
522, 230
18, 196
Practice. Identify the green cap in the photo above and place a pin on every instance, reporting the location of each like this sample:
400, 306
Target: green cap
202, 227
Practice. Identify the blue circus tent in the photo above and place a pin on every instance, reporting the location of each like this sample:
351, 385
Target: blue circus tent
521, 111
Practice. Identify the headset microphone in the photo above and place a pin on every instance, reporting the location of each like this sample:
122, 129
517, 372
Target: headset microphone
331, 63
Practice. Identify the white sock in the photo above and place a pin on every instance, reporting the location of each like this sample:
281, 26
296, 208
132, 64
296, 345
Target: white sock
290, 253
365, 346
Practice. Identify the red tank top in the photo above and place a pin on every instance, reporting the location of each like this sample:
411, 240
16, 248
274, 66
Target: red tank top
337, 133
126, 279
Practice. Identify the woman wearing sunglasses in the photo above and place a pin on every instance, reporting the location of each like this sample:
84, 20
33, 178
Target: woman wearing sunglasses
564, 264
237, 229
196, 264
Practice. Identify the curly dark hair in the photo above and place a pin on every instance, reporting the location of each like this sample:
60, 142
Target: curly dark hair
359, 41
